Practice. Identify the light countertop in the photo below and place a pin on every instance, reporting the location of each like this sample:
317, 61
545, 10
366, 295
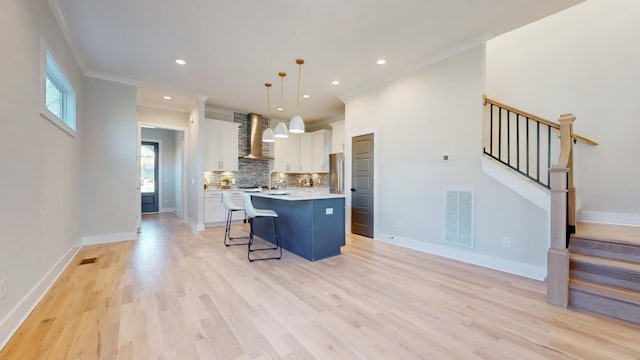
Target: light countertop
296, 194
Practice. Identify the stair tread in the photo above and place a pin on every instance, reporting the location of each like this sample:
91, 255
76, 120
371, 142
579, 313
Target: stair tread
606, 262
608, 232
613, 292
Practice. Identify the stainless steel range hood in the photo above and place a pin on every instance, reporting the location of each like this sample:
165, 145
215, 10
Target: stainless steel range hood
255, 138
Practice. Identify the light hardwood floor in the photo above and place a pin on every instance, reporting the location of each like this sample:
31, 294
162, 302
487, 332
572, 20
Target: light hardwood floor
176, 294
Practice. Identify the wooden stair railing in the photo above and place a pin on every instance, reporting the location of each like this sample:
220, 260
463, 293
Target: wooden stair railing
553, 124
522, 141
563, 212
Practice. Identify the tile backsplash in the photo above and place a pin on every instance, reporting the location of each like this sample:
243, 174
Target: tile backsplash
253, 173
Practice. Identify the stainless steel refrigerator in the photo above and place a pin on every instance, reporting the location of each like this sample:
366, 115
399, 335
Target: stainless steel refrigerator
336, 173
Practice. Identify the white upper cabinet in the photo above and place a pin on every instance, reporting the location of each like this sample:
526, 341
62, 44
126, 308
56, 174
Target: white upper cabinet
287, 154
320, 148
304, 153
337, 137
220, 140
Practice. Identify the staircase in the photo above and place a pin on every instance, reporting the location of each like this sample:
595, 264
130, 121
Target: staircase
605, 270
594, 267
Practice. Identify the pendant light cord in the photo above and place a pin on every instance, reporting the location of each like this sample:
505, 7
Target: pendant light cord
268, 85
299, 62
282, 75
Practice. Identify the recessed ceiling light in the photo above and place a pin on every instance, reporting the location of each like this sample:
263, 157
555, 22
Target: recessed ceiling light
180, 62
279, 109
166, 97
306, 96
335, 82
381, 62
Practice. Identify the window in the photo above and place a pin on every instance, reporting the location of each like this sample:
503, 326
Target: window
58, 97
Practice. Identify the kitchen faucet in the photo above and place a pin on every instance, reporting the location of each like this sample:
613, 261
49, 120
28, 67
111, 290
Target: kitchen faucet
271, 173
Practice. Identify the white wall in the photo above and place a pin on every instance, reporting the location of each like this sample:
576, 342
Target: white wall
167, 119
178, 179
416, 119
40, 163
195, 181
585, 61
109, 166
168, 167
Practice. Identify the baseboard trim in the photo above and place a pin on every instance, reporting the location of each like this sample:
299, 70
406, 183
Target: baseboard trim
194, 226
609, 218
109, 238
166, 210
504, 265
11, 323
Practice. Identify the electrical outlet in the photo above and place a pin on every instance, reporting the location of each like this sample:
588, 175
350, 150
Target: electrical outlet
506, 242
3, 288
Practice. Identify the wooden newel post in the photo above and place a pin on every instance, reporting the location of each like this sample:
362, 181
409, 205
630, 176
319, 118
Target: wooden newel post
566, 159
562, 215
558, 255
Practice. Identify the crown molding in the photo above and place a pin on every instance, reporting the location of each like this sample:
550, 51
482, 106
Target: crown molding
161, 107
62, 24
323, 123
111, 77
219, 110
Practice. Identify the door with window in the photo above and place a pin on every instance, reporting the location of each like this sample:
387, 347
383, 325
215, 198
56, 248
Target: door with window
149, 176
362, 185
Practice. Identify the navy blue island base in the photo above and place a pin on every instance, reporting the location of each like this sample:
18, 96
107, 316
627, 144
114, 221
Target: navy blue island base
313, 228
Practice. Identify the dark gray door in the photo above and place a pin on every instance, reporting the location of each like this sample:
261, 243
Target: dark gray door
149, 176
362, 185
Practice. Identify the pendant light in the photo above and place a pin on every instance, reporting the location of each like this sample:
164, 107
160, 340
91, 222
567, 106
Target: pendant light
281, 129
296, 125
267, 135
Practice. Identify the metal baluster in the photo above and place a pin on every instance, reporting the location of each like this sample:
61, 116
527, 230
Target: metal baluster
548, 155
538, 151
509, 137
518, 141
500, 134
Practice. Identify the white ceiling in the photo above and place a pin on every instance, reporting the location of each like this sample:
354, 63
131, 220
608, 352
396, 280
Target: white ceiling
233, 47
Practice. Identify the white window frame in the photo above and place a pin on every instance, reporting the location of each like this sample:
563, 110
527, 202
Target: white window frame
49, 67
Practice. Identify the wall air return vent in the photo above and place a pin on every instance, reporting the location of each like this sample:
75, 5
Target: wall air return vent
458, 221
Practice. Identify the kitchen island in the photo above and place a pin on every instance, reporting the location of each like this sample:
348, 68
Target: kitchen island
311, 223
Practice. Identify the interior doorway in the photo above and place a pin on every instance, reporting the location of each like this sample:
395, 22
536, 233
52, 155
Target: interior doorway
362, 185
171, 182
149, 176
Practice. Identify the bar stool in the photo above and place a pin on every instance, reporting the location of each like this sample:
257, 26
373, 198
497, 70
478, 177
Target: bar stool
253, 214
231, 208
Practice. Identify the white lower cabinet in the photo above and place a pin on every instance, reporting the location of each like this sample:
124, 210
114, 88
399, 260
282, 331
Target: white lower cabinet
214, 211
236, 199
